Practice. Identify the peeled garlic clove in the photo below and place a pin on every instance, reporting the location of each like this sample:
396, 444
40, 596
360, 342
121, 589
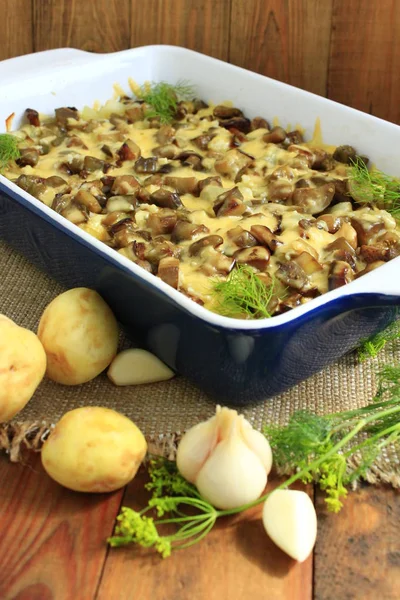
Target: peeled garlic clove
290, 520
232, 475
258, 443
195, 447
136, 366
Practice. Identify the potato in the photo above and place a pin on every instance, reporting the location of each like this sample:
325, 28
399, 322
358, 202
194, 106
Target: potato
22, 367
80, 336
93, 449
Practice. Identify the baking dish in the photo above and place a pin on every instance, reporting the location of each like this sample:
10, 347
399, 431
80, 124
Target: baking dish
234, 361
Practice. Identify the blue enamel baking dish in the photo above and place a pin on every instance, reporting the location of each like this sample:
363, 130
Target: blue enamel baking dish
234, 361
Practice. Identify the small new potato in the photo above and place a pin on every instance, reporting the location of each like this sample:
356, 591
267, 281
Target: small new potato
93, 449
80, 336
22, 367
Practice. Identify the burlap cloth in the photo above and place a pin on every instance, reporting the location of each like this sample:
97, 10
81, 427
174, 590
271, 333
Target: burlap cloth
164, 410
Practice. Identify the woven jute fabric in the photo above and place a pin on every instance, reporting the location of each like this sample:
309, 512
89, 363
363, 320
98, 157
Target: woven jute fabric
164, 410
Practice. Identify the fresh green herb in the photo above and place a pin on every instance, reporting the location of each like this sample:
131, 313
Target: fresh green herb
163, 98
321, 449
373, 345
8, 149
307, 443
243, 294
374, 186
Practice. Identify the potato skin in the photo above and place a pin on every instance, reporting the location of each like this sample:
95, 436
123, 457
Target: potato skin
22, 367
80, 336
93, 449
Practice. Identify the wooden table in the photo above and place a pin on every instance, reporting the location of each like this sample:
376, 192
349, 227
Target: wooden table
53, 547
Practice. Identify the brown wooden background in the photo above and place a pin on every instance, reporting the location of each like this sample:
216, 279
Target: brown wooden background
348, 50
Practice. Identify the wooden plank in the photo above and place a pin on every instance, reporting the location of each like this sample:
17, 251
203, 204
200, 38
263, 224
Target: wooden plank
365, 56
236, 561
101, 26
15, 28
288, 41
201, 25
52, 539
358, 550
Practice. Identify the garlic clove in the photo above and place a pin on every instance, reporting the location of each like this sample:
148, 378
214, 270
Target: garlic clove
290, 520
137, 366
195, 447
258, 443
232, 475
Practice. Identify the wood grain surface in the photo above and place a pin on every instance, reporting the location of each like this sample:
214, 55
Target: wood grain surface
347, 50
53, 548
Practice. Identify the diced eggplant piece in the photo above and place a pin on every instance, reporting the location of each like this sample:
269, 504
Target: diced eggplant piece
217, 264
128, 151
165, 199
166, 134
340, 273
184, 230
87, 199
370, 267
236, 124
167, 168
168, 271
232, 162
319, 156
166, 151
157, 179
32, 117
330, 223
212, 241
226, 112
183, 185
367, 232
341, 250
292, 275
282, 172
162, 221
215, 181
241, 238
305, 224
191, 159
122, 203
158, 250
107, 151
280, 190
345, 154
379, 251
257, 257
146, 165
120, 224
143, 196
32, 184
56, 182
73, 166
77, 214
65, 113
277, 135
28, 157
91, 164
230, 203
308, 263
124, 184
123, 233
203, 140
76, 142
294, 137
259, 123
340, 244
314, 200
265, 237
134, 113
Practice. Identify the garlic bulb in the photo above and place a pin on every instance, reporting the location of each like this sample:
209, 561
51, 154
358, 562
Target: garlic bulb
226, 459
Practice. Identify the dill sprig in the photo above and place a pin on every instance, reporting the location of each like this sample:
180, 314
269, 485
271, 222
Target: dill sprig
334, 450
8, 150
374, 187
163, 98
373, 345
243, 294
